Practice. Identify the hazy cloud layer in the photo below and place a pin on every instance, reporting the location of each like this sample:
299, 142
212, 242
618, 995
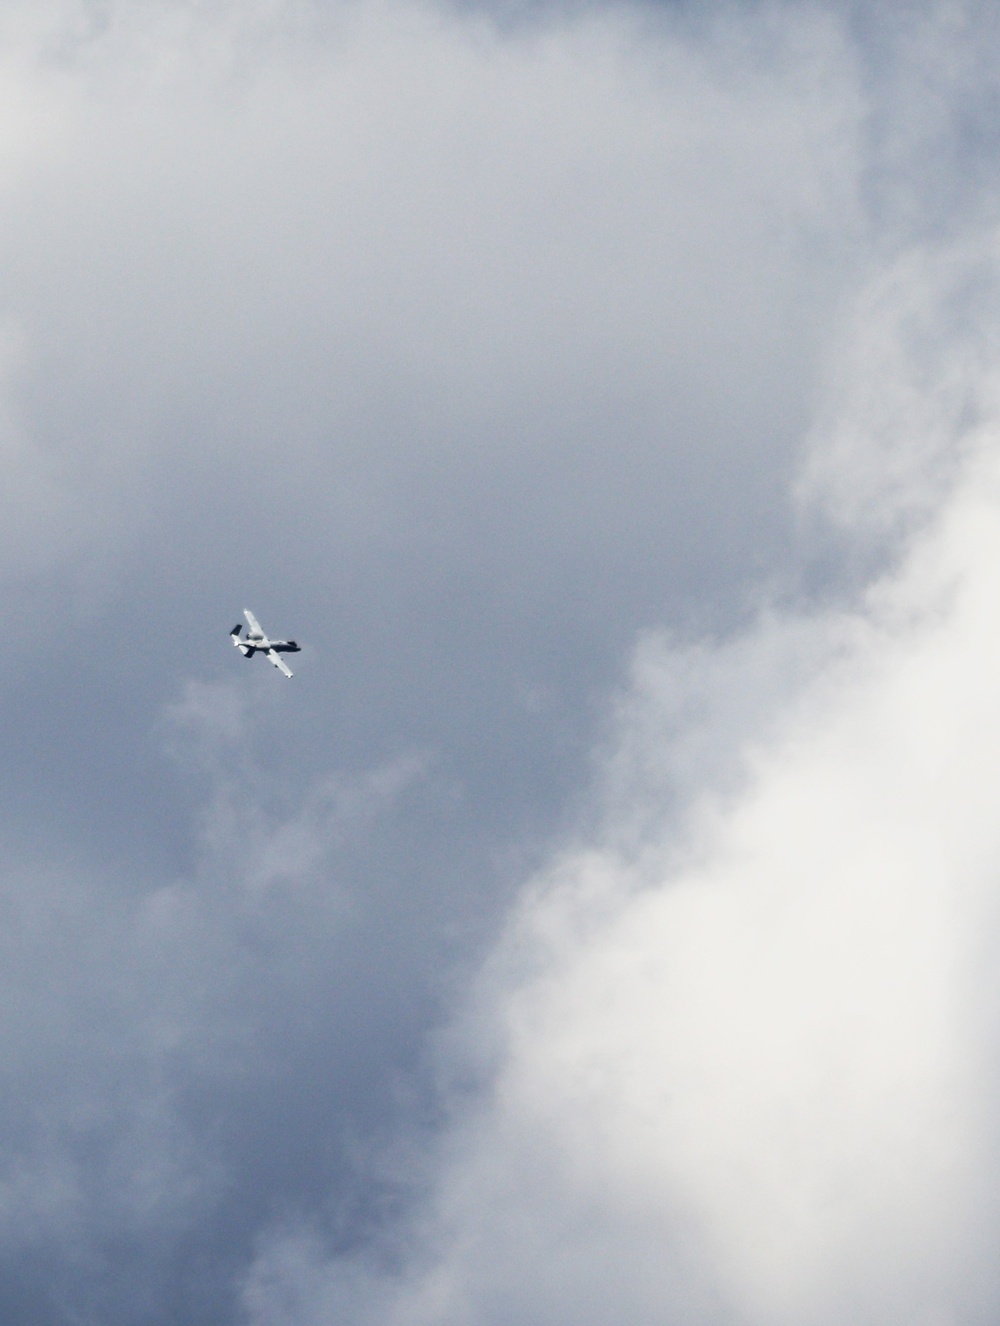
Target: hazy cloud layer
470, 976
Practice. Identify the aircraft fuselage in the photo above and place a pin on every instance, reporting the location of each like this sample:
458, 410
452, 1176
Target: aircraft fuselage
262, 642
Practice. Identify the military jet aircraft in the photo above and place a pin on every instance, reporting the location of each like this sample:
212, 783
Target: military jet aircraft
255, 640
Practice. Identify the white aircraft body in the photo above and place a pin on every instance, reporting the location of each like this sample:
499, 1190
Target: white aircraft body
255, 640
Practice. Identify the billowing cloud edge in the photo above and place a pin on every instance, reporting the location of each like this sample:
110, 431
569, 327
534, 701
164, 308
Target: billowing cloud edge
737, 1048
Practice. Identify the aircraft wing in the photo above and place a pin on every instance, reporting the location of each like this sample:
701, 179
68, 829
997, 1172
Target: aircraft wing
278, 661
254, 623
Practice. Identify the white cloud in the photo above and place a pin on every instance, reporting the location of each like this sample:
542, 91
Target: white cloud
744, 1062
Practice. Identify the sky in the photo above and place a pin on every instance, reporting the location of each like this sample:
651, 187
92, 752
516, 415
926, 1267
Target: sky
603, 924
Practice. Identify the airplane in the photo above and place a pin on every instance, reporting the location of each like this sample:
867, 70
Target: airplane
255, 640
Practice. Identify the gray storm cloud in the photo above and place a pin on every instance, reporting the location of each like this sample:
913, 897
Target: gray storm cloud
471, 346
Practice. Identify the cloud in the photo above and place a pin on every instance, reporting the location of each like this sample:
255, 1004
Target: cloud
469, 349
910, 383
480, 220
740, 1058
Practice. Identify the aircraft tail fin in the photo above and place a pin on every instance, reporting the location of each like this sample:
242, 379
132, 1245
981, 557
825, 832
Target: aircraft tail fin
236, 629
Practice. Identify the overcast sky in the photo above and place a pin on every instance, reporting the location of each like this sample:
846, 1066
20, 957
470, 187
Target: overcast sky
603, 924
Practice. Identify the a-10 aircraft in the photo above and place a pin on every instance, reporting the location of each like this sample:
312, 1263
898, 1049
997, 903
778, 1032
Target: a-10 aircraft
255, 640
